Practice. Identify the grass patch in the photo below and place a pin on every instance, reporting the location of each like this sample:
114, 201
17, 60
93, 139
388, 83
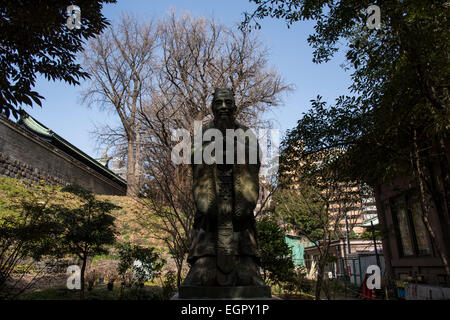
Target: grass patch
97, 258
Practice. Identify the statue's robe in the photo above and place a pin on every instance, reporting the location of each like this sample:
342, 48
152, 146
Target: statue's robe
224, 250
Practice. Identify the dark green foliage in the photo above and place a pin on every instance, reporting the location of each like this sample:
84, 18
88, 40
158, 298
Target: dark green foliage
400, 81
86, 228
38, 221
290, 11
89, 226
150, 262
297, 283
380, 233
98, 293
28, 229
35, 40
304, 212
137, 293
276, 255
397, 122
169, 286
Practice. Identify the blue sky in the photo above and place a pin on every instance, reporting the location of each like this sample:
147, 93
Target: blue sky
290, 54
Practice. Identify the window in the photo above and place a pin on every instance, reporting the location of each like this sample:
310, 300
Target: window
423, 246
412, 234
399, 210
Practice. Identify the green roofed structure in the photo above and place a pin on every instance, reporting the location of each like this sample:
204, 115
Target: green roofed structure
297, 245
30, 150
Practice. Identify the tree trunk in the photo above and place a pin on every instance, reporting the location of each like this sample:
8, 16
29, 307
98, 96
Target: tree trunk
137, 160
444, 183
179, 267
131, 165
320, 269
83, 269
425, 205
326, 287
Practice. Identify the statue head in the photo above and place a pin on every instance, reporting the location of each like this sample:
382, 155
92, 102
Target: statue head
223, 107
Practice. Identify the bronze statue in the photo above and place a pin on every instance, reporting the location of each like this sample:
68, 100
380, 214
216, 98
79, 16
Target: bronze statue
224, 251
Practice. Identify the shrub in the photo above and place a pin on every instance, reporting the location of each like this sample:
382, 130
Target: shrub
169, 286
276, 260
87, 228
92, 276
144, 263
29, 231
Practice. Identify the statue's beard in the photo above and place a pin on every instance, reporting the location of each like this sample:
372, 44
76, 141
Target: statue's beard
224, 123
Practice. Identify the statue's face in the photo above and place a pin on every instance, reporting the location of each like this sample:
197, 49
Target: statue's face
223, 107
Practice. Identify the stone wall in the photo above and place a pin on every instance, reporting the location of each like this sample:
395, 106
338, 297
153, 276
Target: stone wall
13, 168
25, 156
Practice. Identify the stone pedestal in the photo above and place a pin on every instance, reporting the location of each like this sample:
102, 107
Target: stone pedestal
238, 292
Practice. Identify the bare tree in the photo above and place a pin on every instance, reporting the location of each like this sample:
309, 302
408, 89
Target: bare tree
201, 54
113, 139
161, 79
120, 63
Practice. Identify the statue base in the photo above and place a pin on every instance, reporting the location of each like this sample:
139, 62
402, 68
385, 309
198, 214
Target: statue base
238, 292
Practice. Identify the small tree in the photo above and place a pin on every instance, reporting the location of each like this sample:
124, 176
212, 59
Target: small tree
276, 255
28, 230
307, 212
149, 262
87, 228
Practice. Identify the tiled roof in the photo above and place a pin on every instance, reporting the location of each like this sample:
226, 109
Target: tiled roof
44, 133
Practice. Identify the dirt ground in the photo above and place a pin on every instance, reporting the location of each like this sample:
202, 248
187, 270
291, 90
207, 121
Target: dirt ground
32, 282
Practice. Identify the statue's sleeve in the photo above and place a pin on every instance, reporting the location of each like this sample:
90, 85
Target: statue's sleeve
247, 181
202, 188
